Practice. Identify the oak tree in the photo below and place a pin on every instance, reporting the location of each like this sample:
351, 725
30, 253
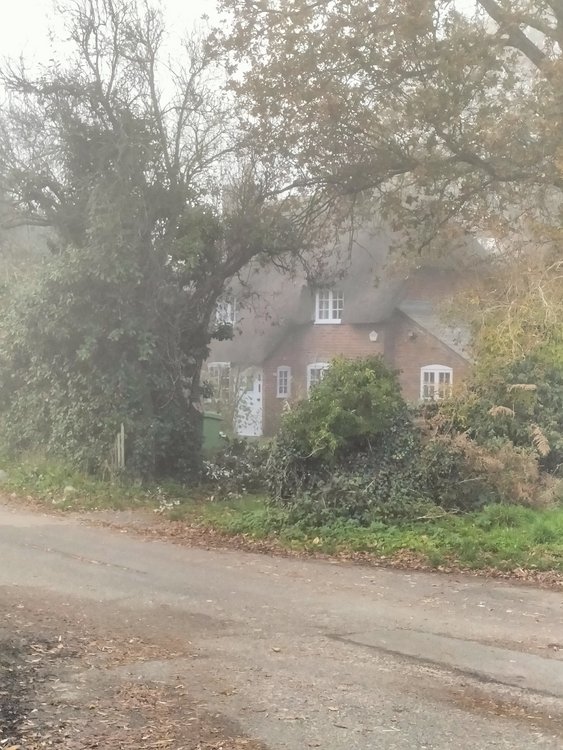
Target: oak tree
442, 114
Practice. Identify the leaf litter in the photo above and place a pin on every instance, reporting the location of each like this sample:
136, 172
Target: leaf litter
49, 699
196, 534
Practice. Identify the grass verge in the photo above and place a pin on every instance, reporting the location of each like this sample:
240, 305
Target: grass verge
503, 537
499, 537
54, 484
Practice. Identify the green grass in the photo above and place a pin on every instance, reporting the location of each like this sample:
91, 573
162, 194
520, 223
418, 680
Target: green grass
505, 537
55, 484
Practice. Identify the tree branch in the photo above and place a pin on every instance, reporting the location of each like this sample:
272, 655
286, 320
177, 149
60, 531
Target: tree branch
517, 38
25, 221
557, 7
150, 39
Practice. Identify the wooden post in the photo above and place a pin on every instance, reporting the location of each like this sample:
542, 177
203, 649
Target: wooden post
121, 443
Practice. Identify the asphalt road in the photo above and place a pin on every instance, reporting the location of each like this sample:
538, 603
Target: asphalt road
312, 654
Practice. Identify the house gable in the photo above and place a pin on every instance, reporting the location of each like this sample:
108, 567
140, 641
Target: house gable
411, 348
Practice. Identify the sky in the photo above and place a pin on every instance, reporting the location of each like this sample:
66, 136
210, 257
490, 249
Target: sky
25, 23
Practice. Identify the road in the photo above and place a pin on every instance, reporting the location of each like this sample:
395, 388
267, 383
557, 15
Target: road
303, 653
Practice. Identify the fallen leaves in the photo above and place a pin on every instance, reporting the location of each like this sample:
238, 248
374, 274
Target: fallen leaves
108, 709
197, 534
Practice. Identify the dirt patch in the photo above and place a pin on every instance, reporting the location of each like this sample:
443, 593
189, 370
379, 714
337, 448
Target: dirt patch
27, 664
62, 682
15, 684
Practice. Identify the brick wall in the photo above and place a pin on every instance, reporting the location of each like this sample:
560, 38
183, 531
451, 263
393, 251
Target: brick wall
411, 347
405, 346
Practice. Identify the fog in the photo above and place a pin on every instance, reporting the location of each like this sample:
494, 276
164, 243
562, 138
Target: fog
26, 24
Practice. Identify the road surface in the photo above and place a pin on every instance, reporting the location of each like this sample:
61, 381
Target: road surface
301, 653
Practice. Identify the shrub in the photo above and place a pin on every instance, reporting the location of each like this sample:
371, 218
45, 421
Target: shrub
520, 403
239, 468
354, 451
504, 516
380, 483
350, 451
353, 406
460, 473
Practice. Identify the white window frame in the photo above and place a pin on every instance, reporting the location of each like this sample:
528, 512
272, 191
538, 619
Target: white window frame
436, 370
334, 300
287, 371
216, 379
226, 311
322, 366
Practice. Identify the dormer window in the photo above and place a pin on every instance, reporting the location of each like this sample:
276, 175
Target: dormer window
328, 306
226, 311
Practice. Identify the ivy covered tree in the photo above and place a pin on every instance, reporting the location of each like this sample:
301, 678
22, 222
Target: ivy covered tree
125, 158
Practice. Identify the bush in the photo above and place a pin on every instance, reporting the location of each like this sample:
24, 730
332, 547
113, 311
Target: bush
350, 451
380, 483
464, 475
353, 406
520, 403
238, 469
355, 452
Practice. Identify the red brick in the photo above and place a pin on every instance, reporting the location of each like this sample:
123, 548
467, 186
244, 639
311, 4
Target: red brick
405, 346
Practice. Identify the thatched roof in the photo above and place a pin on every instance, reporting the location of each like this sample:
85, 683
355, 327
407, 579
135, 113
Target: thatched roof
271, 303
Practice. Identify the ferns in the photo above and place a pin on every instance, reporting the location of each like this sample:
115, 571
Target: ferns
497, 411
539, 441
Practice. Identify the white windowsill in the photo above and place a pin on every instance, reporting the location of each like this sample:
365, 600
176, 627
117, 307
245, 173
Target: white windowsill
335, 322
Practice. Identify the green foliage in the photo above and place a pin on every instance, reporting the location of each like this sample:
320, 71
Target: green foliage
394, 466
83, 351
352, 406
117, 324
61, 485
348, 451
466, 475
514, 403
503, 537
238, 468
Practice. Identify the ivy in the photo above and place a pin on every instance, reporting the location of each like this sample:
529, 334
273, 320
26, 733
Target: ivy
83, 352
128, 179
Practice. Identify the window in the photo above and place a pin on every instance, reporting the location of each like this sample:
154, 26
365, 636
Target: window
283, 382
226, 311
219, 376
329, 306
315, 373
435, 382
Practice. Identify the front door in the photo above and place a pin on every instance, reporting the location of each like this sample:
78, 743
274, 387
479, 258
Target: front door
248, 416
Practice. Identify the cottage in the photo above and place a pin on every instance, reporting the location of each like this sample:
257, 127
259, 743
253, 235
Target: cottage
287, 331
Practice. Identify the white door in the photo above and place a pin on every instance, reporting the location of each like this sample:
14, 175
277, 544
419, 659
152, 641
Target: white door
248, 417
